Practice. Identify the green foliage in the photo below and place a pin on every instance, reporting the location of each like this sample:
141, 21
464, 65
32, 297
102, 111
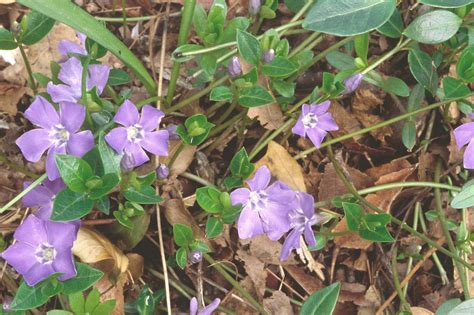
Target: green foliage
85, 278
465, 66
393, 28
69, 205
279, 67
396, 86
145, 195
446, 3
322, 301
254, 96
182, 234
74, 172
34, 26
463, 308
249, 47
195, 129
221, 93
214, 227
454, 88
361, 45
447, 306
465, 198
146, 302
423, 69
240, 164
91, 305
27, 297
208, 198
118, 77
433, 27
409, 135
7, 42
181, 257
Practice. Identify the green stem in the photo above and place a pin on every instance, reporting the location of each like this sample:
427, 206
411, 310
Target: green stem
410, 259
24, 192
234, 283
31, 80
228, 123
148, 101
124, 18
380, 125
447, 235
197, 179
227, 113
186, 20
386, 56
396, 281
308, 44
270, 138
134, 19
17, 168
299, 14
112, 94
175, 155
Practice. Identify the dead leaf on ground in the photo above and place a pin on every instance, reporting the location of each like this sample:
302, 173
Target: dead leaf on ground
278, 303
7, 1
135, 266
266, 250
283, 166
393, 166
10, 95
185, 159
455, 155
255, 269
420, 311
346, 122
308, 282
109, 291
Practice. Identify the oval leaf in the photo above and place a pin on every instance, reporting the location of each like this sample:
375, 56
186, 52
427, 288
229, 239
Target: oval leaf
254, 96
422, 68
446, 3
433, 27
249, 47
322, 301
70, 205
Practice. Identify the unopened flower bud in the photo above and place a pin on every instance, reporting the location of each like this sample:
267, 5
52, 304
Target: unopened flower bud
162, 171
127, 163
268, 55
235, 69
195, 256
172, 131
6, 304
254, 6
353, 82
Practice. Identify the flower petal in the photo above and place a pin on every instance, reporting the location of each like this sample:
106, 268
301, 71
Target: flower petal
60, 234
298, 128
62, 93
320, 109
45, 212
98, 76
64, 263
249, 224
39, 196
239, 196
32, 231
326, 122
292, 241
260, 180
316, 136
66, 46
51, 168
138, 154
193, 306
80, 143
20, 256
41, 113
463, 134
33, 144
306, 202
117, 139
37, 273
156, 142
276, 220
469, 156
71, 74
207, 310
127, 114
280, 193
309, 235
150, 117
72, 115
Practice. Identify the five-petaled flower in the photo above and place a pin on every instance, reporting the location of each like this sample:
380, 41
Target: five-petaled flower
265, 207
71, 75
57, 133
302, 218
206, 310
137, 133
42, 196
42, 248
315, 121
463, 135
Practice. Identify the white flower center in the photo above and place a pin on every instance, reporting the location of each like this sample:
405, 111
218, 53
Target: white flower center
135, 133
59, 135
45, 253
310, 120
258, 198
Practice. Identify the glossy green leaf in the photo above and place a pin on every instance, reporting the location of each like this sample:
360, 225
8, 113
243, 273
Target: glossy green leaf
416, 97
195, 129
361, 46
7, 42
393, 28
322, 301
454, 88
85, 278
103, 205
221, 93
181, 257
74, 171
463, 308
375, 228
284, 88
59, 312
465, 64
340, 60
95, 49
295, 5
110, 159
177, 54
104, 308
254, 96
446, 3
208, 199
27, 297
338, 17
182, 234
447, 306
465, 198
249, 47
396, 86
92, 300
145, 196
110, 181
240, 164
76, 302
67, 12
232, 182
36, 26
421, 67
69, 205
214, 227
409, 135
118, 77
353, 214
433, 27
279, 67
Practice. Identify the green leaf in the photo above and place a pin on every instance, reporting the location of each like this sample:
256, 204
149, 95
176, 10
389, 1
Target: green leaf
279, 67
109, 182
93, 299
232, 182
465, 198
208, 199
70, 205
77, 302
249, 47
446, 3
447, 306
340, 60
421, 67
103, 205
145, 303
393, 28
110, 159
295, 5
416, 97
361, 45
230, 31
454, 88
177, 53
95, 49
182, 234
221, 93
181, 257
195, 130
465, 66
85, 278
230, 214
240, 164
353, 214
463, 308
322, 301
27, 297
214, 227
254, 96
104, 308
123, 219
59, 312
337, 17
433, 27
7, 42
118, 77
145, 196
70, 14
74, 171
284, 88
376, 228
409, 135
35, 26
396, 86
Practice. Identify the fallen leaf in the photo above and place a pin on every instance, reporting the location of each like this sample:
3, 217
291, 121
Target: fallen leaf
110, 291
455, 155
135, 266
283, 166
278, 303
7, 1
255, 269
10, 95
346, 122
420, 311
393, 166
185, 158
307, 281
266, 250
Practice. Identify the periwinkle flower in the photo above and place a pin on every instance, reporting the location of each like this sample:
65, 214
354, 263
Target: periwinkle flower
302, 218
265, 207
254, 6
137, 133
463, 135
162, 171
66, 47
127, 163
315, 121
353, 82
58, 133
172, 131
206, 310
268, 55
42, 196
71, 75
42, 248
234, 67
195, 256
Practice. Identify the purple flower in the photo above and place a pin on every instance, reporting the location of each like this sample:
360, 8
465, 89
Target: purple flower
268, 55
42, 196
265, 207
315, 122
172, 131
463, 135
353, 82
234, 67
207, 310
57, 133
302, 218
71, 75
254, 6
195, 256
41, 249
66, 46
137, 133
162, 171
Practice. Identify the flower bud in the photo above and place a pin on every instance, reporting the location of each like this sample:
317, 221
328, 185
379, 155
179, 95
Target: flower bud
254, 6
172, 132
127, 163
353, 82
162, 171
268, 55
195, 256
234, 68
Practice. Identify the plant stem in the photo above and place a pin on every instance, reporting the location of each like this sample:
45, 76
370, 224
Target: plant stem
234, 283
228, 123
197, 179
124, 18
410, 259
270, 138
308, 43
380, 125
186, 20
396, 281
386, 56
447, 235
24, 192
134, 19
175, 155
31, 79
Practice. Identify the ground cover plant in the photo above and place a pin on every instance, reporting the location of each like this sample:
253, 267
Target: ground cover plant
236, 157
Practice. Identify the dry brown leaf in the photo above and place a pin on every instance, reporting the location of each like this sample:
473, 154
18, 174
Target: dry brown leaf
283, 166
109, 291
278, 303
266, 250
346, 122
255, 269
393, 166
185, 159
308, 282
308, 260
135, 266
93, 248
420, 311
7, 1
10, 95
